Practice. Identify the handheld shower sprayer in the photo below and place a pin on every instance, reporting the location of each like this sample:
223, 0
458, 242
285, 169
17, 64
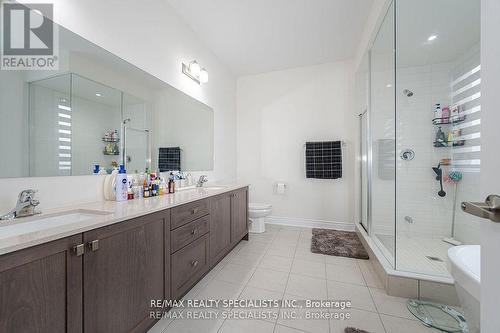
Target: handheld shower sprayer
439, 178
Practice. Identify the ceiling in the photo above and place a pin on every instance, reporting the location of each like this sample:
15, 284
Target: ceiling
258, 36
456, 24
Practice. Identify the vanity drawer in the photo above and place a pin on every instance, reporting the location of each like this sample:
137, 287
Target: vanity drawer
184, 235
188, 212
188, 266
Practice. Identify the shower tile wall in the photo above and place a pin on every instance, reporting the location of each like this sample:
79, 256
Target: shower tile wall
466, 225
416, 184
417, 187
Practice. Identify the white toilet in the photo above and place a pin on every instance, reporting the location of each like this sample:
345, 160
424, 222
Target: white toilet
465, 267
257, 214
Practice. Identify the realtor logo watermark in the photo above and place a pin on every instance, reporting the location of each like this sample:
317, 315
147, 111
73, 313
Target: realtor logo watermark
29, 37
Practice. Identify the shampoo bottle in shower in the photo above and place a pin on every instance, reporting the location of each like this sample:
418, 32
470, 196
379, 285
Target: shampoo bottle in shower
446, 112
440, 138
438, 114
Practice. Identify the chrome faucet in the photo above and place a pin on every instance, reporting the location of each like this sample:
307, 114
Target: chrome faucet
201, 180
26, 206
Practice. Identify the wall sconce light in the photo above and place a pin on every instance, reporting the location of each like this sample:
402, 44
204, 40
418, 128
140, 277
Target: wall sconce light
195, 72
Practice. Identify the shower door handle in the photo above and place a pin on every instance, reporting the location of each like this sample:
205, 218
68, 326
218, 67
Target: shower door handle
489, 209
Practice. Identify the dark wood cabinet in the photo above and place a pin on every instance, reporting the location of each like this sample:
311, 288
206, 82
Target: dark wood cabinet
188, 265
123, 271
189, 212
40, 288
188, 233
220, 227
103, 280
239, 215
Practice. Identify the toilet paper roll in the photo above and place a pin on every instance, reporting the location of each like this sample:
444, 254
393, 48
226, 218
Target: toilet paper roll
280, 188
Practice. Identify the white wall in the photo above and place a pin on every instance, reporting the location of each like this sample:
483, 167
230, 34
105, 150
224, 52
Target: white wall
277, 113
490, 182
150, 36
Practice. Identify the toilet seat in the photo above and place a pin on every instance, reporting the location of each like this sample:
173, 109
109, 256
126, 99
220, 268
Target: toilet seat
259, 206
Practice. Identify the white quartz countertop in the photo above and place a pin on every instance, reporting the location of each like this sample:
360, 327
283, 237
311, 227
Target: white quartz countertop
26, 232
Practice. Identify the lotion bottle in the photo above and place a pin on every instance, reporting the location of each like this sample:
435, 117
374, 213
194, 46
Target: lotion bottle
122, 185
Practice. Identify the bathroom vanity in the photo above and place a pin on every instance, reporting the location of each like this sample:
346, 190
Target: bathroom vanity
100, 275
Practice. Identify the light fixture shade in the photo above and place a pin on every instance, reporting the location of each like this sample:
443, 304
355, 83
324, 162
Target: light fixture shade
203, 75
194, 68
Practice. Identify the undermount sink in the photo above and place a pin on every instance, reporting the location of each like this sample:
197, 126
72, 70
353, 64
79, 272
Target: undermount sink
207, 188
42, 222
213, 188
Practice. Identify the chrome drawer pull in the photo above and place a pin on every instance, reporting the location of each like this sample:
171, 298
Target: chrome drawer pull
194, 231
194, 211
79, 250
194, 263
93, 245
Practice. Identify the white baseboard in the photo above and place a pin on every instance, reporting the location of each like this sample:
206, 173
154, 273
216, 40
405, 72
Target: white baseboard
310, 223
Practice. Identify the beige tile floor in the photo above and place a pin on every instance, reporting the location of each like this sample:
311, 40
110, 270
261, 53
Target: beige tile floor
278, 264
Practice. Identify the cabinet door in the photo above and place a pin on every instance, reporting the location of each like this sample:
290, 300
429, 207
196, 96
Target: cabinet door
122, 273
40, 289
239, 211
189, 264
220, 227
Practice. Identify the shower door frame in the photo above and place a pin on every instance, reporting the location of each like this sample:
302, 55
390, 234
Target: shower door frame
369, 140
365, 117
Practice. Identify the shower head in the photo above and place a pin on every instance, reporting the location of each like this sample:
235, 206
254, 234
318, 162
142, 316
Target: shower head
408, 93
126, 121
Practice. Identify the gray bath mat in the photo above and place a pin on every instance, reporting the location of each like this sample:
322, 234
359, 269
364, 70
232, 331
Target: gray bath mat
354, 330
337, 243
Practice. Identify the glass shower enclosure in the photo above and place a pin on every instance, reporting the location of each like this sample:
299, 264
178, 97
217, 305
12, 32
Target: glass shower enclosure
420, 132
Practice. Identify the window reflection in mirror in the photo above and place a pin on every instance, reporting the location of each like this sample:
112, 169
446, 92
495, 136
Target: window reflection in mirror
96, 109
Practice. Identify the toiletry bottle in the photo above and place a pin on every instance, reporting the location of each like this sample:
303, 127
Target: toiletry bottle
122, 184
163, 186
446, 112
145, 189
438, 114
154, 189
440, 138
96, 169
171, 183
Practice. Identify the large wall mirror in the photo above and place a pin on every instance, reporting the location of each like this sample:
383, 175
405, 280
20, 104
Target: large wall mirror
98, 109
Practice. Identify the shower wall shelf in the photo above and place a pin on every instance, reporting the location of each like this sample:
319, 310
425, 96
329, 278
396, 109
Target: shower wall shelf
111, 148
449, 144
110, 140
449, 120
111, 154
